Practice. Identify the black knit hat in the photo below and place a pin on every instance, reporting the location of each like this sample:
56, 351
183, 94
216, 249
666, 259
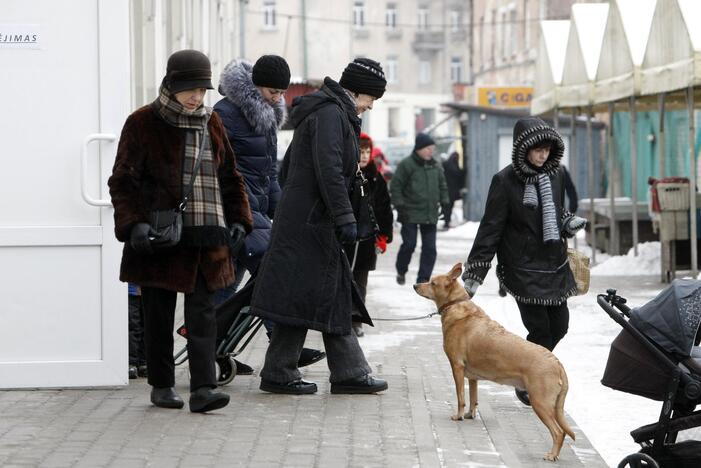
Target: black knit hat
364, 76
188, 69
271, 71
422, 141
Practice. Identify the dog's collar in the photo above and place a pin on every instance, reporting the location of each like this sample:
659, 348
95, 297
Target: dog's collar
442, 308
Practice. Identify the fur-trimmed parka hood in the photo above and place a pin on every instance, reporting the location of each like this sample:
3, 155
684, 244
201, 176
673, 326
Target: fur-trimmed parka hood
528, 133
237, 86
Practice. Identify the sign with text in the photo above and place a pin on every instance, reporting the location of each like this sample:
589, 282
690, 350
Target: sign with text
19, 36
504, 96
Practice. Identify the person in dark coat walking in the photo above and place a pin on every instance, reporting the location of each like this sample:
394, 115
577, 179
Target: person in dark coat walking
455, 178
253, 109
363, 255
524, 223
305, 281
157, 153
419, 192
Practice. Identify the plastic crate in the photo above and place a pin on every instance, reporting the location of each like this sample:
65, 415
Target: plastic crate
673, 196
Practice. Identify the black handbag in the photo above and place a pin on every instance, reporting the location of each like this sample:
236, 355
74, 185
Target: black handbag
362, 208
167, 225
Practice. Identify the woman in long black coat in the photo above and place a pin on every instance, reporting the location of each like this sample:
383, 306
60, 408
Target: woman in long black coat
305, 280
524, 223
363, 255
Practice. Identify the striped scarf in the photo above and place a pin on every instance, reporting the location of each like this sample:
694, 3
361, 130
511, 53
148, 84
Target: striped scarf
551, 232
203, 219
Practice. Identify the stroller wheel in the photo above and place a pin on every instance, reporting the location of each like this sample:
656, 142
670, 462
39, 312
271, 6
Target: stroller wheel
638, 460
227, 370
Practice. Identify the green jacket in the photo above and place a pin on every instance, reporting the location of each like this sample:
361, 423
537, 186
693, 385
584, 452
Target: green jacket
418, 190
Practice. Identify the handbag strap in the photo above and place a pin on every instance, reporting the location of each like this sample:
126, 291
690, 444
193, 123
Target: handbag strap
195, 170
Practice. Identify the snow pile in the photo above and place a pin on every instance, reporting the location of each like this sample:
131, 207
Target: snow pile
647, 262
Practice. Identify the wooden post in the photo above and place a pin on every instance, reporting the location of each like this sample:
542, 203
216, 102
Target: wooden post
692, 185
634, 170
613, 228
592, 186
573, 152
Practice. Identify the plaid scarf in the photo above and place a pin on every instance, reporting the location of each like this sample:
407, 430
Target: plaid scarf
530, 200
204, 223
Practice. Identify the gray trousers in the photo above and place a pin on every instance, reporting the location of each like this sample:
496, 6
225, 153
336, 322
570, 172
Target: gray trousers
343, 355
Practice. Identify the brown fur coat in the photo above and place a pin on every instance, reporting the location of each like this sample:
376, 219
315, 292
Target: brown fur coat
147, 175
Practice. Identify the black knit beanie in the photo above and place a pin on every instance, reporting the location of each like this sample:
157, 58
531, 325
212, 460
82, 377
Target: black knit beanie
188, 69
364, 76
422, 141
271, 71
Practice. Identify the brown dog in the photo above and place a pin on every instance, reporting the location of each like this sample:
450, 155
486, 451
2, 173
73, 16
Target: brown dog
480, 349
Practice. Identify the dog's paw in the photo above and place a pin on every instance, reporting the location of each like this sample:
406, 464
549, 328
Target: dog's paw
550, 457
457, 417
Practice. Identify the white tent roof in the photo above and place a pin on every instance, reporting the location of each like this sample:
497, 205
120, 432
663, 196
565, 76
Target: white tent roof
583, 53
623, 48
672, 58
549, 64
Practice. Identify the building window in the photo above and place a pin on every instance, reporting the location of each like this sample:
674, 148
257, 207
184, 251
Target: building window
493, 37
391, 73
456, 70
455, 20
424, 72
511, 36
482, 37
359, 15
526, 26
423, 18
269, 16
391, 16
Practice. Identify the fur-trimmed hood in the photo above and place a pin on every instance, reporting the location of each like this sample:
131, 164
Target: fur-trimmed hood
237, 86
528, 132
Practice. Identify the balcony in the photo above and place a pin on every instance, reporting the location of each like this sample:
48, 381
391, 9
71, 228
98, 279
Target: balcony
428, 41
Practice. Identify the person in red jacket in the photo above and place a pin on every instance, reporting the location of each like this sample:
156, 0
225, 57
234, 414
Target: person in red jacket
362, 255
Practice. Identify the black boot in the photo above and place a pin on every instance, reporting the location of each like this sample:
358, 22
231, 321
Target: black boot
359, 385
522, 396
309, 356
295, 387
166, 398
205, 399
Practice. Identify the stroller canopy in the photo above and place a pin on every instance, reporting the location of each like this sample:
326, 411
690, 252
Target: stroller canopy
671, 319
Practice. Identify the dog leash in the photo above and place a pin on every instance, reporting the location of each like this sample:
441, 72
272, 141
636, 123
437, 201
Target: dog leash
438, 312
405, 318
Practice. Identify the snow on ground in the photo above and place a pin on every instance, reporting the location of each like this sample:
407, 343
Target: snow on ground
606, 416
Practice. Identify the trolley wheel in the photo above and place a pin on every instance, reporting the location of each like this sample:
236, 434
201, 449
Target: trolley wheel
638, 460
227, 370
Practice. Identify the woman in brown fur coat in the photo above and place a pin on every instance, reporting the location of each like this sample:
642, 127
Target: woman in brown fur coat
158, 149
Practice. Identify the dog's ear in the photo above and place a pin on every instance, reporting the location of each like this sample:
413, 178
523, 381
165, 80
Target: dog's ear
455, 272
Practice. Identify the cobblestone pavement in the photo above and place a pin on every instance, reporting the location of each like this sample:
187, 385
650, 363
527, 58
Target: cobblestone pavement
407, 426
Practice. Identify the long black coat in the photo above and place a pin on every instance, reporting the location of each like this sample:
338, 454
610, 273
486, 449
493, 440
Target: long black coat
251, 126
454, 177
305, 279
381, 205
532, 271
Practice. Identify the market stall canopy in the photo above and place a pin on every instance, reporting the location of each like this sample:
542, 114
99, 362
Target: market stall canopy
672, 58
623, 49
549, 64
583, 53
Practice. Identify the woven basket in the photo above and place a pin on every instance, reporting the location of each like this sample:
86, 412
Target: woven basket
579, 264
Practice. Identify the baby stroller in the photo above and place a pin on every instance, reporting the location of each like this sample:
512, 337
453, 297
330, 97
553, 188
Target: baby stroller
234, 325
657, 356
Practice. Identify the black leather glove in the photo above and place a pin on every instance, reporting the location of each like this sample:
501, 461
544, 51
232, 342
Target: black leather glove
238, 234
138, 238
444, 213
347, 233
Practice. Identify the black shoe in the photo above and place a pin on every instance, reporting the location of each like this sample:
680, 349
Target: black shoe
141, 370
522, 396
401, 280
166, 398
309, 356
358, 329
204, 399
296, 387
243, 369
133, 373
359, 385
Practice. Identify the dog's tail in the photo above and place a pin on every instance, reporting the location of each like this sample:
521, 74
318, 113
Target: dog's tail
560, 404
